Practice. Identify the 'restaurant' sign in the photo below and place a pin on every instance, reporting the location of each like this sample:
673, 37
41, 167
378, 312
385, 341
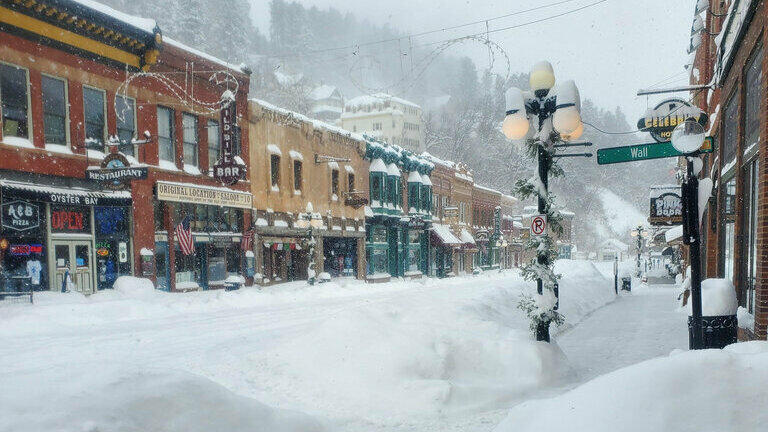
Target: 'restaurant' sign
666, 205
665, 116
179, 192
227, 170
116, 172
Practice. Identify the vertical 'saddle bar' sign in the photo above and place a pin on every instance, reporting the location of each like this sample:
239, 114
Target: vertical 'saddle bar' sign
666, 205
227, 170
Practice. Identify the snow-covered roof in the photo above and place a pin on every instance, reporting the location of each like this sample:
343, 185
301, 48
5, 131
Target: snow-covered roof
238, 68
326, 108
615, 244
377, 98
426, 181
321, 92
318, 124
466, 237
144, 24
673, 233
349, 169
487, 189
414, 177
393, 170
272, 148
378, 165
445, 234
296, 155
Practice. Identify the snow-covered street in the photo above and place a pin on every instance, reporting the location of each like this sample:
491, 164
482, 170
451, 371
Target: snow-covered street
429, 355
398, 356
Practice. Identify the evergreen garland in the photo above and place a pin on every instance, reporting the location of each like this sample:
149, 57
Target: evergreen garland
540, 308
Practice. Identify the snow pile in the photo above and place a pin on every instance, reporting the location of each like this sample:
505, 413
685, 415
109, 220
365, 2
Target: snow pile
703, 391
583, 288
388, 361
746, 320
102, 399
718, 297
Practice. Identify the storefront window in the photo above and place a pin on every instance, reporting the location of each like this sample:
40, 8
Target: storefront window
125, 112
753, 95
730, 120
377, 251
95, 121
751, 247
54, 110
13, 96
112, 244
729, 211
24, 262
70, 219
414, 251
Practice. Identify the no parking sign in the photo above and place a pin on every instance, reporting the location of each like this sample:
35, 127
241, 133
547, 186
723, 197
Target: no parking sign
538, 225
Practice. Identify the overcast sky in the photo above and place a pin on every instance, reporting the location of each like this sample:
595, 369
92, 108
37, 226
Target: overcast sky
611, 49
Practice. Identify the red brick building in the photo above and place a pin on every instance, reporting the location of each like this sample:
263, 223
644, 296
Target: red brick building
731, 57
66, 109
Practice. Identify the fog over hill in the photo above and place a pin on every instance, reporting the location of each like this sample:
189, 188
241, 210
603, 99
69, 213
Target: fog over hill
463, 102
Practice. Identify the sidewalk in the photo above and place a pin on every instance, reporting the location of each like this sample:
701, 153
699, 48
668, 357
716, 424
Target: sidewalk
635, 327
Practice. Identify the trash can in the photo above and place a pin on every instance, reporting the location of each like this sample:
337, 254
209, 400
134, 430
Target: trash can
718, 331
626, 284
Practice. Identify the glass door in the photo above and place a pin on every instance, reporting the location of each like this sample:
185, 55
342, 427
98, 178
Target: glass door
73, 269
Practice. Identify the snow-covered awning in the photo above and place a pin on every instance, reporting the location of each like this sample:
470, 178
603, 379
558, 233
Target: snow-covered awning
296, 155
673, 234
443, 232
333, 165
466, 237
426, 181
414, 177
349, 169
378, 165
64, 194
273, 149
393, 170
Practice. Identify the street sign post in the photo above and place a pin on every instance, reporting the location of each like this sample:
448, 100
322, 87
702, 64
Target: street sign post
646, 151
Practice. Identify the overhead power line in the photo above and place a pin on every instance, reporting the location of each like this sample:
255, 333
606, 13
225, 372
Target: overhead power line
443, 29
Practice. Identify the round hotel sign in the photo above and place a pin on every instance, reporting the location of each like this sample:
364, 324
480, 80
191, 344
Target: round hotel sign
662, 119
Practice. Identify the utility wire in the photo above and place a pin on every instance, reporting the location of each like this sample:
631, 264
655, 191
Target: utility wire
443, 29
639, 130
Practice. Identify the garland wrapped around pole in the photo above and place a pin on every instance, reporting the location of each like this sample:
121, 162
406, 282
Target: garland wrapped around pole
541, 307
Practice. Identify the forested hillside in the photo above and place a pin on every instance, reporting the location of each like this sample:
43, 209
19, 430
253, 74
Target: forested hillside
463, 102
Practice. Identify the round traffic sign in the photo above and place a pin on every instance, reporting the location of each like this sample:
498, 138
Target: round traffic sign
538, 225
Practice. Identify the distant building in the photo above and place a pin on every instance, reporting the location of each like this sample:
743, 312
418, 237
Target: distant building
327, 103
611, 249
386, 117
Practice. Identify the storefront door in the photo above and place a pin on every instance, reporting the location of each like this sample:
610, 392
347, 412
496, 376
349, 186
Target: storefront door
72, 263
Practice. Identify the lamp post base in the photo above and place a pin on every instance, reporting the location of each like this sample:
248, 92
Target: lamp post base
542, 331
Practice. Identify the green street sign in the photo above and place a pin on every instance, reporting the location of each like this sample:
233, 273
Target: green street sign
647, 151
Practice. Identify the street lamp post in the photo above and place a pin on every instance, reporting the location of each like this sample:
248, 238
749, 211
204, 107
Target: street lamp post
687, 138
555, 116
640, 233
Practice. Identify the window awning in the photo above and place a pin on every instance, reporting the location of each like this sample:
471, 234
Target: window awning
466, 237
444, 234
62, 194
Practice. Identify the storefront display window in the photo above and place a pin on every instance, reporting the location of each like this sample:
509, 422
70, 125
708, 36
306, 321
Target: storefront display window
377, 251
414, 251
70, 219
112, 244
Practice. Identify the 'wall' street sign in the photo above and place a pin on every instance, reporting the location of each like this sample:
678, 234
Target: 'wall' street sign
647, 151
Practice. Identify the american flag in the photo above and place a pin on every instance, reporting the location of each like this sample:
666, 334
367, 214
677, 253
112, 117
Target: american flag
184, 234
247, 241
